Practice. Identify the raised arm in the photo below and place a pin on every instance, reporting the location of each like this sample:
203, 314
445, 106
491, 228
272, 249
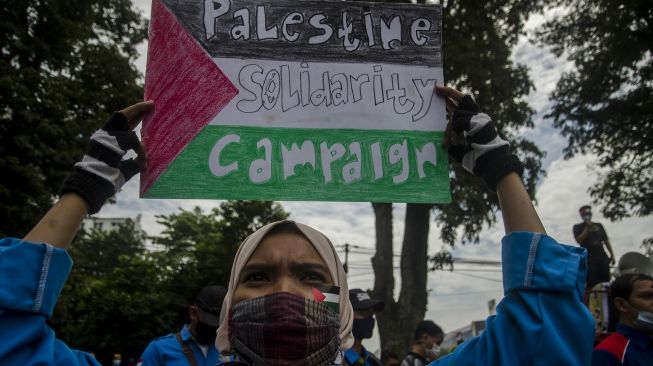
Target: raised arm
516, 206
543, 280
60, 224
96, 178
38, 271
472, 139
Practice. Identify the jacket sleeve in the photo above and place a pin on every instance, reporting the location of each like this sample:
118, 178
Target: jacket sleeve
151, 356
541, 319
31, 278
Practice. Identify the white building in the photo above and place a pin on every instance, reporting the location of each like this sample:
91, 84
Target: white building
474, 329
109, 224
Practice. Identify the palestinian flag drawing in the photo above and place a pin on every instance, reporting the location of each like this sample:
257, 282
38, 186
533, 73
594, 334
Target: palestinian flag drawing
295, 100
330, 295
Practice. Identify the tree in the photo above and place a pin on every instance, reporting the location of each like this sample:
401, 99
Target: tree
477, 41
603, 106
51, 52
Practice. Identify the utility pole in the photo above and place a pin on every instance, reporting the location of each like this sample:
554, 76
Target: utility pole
346, 258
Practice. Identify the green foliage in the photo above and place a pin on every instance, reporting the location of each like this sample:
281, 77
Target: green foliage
604, 105
64, 66
477, 42
120, 295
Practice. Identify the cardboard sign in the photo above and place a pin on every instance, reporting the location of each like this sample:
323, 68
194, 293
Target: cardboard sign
295, 100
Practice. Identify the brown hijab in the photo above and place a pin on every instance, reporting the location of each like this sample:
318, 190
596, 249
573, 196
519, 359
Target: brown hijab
328, 254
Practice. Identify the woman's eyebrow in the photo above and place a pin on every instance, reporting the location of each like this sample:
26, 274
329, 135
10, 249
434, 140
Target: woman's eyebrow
307, 266
265, 267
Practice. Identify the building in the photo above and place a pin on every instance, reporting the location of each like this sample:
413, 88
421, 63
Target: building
474, 329
109, 224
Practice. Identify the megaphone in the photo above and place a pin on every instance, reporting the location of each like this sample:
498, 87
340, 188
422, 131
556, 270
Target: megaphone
633, 262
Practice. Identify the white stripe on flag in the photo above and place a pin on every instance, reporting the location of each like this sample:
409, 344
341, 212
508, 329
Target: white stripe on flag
335, 298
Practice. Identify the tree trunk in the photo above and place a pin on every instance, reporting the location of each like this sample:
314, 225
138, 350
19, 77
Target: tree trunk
384, 281
397, 322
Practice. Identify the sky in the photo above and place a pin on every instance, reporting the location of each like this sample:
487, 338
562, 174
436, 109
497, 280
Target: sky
459, 297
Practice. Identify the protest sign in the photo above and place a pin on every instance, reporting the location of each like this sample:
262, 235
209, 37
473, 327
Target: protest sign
295, 100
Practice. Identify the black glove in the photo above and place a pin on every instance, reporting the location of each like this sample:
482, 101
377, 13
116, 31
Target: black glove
483, 152
102, 172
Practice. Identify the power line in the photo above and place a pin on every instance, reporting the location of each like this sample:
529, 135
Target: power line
360, 274
464, 293
479, 277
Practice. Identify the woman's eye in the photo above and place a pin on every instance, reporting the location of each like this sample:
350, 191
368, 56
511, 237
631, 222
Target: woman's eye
256, 277
314, 277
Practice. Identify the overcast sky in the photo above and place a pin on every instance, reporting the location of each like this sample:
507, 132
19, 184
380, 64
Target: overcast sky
459, 297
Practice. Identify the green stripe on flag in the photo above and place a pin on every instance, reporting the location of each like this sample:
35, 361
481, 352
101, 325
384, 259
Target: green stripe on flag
235, 162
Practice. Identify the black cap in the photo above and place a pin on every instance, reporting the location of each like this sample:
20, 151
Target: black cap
209, 303
361, 300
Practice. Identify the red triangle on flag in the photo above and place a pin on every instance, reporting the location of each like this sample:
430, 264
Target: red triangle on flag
187, 87
318, 295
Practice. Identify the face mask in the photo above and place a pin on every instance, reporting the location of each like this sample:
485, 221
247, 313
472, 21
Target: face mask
363, 328
587, 217
204, 333
644, 321
116, 362
284, 329
432, 353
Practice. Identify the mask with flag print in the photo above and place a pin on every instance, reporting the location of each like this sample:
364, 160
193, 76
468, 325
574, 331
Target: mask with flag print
285, 329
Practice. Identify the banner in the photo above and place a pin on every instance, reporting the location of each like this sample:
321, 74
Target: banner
295, 100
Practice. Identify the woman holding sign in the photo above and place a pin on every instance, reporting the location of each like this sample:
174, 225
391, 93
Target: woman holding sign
287, 302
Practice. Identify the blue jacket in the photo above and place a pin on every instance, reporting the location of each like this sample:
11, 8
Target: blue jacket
542, 319
627, 346
166, 351
365, 359
31, 278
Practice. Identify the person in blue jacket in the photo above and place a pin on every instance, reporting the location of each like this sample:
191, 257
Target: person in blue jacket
193, 345
541, 320
631, 298
33, 270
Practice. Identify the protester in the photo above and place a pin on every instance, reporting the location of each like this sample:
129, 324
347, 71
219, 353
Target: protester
631, 296
592, 236
389, 358
276, 311
459, 338
194, 344
33, 270
426, 347
364, 308
272, 296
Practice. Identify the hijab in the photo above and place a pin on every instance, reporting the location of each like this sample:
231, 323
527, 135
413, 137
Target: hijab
325, 250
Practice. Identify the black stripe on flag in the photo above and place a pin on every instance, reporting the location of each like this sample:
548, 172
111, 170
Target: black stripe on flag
315, 30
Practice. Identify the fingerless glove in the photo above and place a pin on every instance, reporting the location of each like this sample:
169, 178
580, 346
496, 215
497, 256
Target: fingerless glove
484, 152
102, 172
